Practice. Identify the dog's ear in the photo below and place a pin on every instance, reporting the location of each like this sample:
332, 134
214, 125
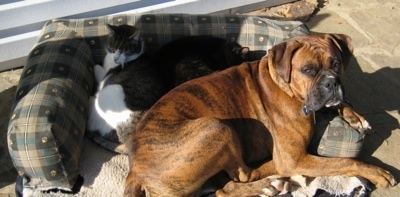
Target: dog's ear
280, 57
280, 64
344, 44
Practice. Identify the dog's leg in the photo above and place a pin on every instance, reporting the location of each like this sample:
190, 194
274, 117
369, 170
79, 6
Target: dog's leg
291, 159
132, 187
206, 147
266, 186
266, 169
226, 143
314, 166
354, 119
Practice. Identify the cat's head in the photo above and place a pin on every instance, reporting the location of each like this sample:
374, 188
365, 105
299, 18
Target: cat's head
125, 42
235, 54
239, 54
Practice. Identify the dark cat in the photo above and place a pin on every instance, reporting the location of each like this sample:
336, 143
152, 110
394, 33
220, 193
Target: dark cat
195, 56
130, 80
128, 85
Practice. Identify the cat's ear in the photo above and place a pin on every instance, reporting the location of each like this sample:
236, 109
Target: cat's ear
136, 36
110, 29
244, 51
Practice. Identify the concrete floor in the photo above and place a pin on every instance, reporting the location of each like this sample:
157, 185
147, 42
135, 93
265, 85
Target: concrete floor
372, 81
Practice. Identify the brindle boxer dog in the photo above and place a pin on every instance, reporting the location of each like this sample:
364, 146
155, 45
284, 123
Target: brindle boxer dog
243, 115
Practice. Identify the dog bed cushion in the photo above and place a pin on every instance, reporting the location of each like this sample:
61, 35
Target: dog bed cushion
48, 121
257, 33
50, 109
334, 137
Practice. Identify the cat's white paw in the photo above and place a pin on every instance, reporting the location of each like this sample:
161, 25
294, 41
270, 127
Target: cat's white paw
99, 73
108, 110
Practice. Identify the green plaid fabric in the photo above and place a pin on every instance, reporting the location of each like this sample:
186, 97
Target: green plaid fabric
50, 110
334, 137
340, 140
48, 122
255, 32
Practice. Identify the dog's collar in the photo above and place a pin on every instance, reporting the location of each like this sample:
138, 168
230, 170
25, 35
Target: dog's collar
313, 114
306, 111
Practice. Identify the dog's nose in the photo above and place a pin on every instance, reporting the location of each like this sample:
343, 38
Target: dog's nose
331, 83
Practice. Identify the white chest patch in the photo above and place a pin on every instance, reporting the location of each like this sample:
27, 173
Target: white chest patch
110, 60
108, 110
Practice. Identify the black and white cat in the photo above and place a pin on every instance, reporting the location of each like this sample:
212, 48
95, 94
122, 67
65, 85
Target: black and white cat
128, 85
124, 43
130, 81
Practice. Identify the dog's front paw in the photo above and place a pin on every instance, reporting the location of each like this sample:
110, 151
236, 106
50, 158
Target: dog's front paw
282, 185
363, 126
355, 120
382, 177
358, 122
268, 186
278, 186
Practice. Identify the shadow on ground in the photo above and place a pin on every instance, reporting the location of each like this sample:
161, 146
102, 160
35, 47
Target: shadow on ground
8, 173
375, 95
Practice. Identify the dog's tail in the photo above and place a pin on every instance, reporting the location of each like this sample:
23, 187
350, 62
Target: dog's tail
132, 186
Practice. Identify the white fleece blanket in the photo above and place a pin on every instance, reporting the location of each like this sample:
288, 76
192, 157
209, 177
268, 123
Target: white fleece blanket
104, 174
103, 171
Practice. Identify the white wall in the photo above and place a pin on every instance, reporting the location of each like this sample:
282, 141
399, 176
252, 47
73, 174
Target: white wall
21, 20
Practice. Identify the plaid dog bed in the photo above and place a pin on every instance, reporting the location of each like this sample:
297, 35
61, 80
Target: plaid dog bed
47, 125
334, 137
50, 110
257, 33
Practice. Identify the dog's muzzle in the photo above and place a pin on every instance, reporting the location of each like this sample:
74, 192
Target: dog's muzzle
327, 90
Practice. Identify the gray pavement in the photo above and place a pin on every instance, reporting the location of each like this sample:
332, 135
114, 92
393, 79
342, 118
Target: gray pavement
372, 81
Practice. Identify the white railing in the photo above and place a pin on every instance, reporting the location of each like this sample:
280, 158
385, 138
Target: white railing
21, 20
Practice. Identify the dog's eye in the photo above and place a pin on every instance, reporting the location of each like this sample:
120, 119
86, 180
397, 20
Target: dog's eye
309, 71
335, 65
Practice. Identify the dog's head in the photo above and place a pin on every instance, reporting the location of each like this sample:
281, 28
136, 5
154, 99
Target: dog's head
309, 68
